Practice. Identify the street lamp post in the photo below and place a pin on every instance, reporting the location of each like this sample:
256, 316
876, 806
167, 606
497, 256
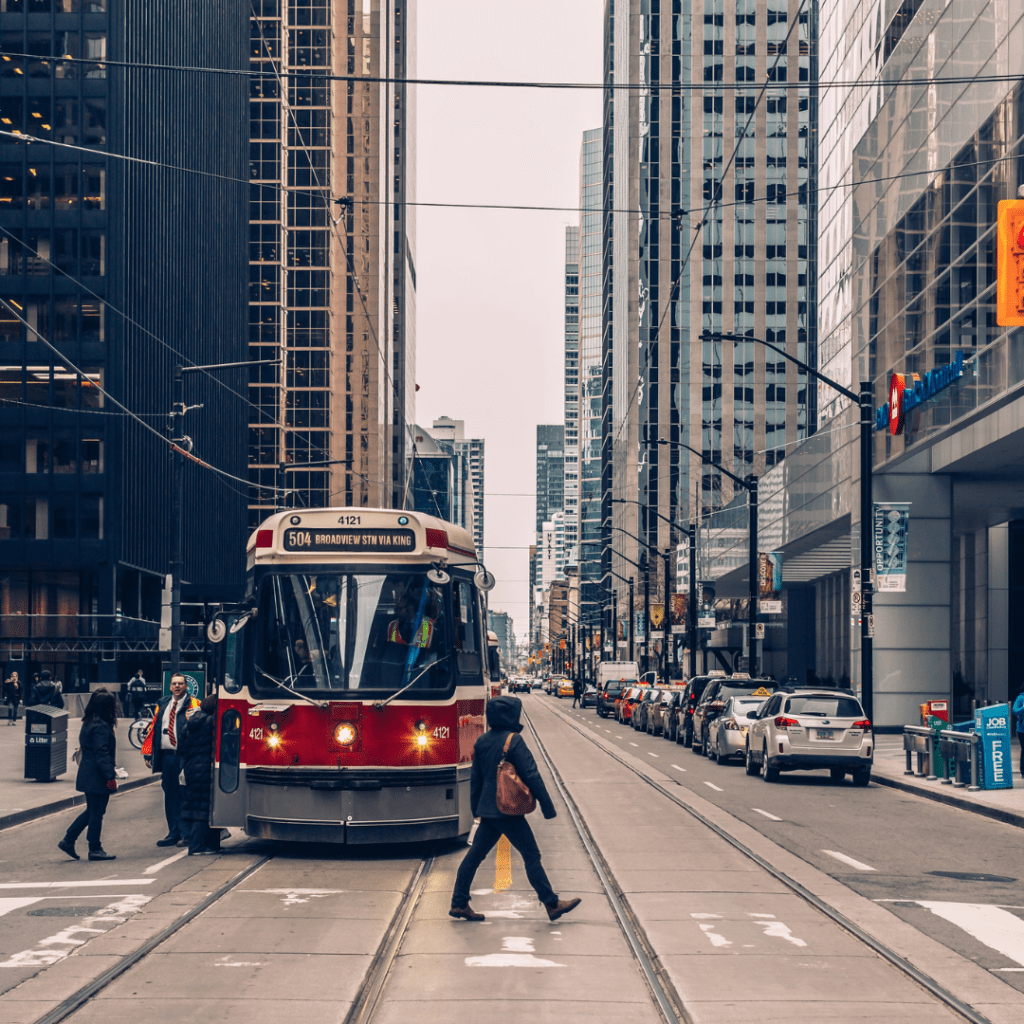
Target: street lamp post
864, 400
750, 485
629, 626
666, 618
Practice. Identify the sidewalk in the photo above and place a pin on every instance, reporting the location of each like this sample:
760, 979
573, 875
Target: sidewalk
22, 799
1005, 805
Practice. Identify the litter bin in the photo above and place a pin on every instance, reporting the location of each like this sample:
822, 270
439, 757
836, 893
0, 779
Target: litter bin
934, 709
46, 742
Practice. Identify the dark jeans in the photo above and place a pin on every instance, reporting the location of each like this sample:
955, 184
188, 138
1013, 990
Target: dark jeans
202, 837
95, 808
1020, 740
138, 703
520, 835
174, 792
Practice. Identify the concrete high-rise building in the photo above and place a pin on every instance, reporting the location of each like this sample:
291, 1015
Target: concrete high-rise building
571, 469
708, 227
114, 267
550, 472
332, 272
590, 333
469, 453
501, 624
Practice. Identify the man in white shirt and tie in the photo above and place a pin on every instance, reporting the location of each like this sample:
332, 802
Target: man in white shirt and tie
161, 753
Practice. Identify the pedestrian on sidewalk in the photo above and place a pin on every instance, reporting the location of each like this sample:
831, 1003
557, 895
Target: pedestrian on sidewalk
196, 751
12, 697
160, 750
47, 691
97, 778
1018, 710
577, 693
137, 693
503, 742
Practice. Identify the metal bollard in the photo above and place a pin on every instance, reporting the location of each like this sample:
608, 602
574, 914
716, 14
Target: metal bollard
975, 774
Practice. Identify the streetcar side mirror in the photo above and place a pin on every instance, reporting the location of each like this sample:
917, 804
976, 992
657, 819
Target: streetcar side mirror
494, 664
484, 580
242, 620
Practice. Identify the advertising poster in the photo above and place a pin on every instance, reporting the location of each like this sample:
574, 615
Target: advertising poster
891, 523
640, 629
992, 724
706, 609
680, 603
657, 620
769, 565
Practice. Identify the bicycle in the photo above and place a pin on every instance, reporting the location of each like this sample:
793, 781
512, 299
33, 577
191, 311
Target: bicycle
139, 729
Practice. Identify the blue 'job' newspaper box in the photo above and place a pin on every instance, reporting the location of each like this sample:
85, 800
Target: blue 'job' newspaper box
992, 724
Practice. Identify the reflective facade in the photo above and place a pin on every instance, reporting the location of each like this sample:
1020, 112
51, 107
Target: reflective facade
572, 386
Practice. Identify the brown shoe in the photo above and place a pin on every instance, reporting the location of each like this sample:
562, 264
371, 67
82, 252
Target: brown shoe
468, 913
556, 910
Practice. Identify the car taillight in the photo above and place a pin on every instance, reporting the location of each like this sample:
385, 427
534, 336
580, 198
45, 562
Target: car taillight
785, 723
862, 724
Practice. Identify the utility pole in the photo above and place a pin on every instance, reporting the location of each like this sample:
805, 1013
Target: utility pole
175, 422
647, 611
631, 623
691, 610
667, 636
754, 578
615, 625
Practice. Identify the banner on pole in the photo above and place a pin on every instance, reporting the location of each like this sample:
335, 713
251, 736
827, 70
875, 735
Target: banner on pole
680, 603
706, 618
769, 571
640, 627
891, 523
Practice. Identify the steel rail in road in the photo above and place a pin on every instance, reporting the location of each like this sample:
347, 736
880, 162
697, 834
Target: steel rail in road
925, 981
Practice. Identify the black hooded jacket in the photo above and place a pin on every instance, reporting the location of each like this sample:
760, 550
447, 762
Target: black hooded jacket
195, 748
503, 717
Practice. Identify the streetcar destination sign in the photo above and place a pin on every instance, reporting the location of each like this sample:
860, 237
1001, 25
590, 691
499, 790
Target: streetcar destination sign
298, 539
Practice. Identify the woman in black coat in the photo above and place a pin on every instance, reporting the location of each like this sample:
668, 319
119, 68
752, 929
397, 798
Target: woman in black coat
196, 752
96, 776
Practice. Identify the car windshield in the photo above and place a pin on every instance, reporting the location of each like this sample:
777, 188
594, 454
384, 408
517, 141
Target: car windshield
824, 706
613, 689
360, 631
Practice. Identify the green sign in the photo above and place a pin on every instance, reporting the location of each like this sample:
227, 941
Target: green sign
195, 678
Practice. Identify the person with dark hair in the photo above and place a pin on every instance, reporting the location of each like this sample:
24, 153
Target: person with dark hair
97, 778
196, 753
47, 691
12, 697
137, 693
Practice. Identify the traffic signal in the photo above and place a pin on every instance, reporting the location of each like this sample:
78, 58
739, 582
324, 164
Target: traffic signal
561, 645
1010, 263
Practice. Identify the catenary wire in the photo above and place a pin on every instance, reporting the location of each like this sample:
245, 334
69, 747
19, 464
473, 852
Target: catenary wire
312, 76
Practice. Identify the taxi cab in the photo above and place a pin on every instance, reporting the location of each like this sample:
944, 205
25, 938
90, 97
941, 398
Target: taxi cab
564, 688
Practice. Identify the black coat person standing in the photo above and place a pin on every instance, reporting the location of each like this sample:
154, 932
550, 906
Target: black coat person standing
12, 697
196, 753
97, 778
577, 693
503, 718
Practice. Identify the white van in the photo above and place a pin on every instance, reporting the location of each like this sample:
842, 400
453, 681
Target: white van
613, 671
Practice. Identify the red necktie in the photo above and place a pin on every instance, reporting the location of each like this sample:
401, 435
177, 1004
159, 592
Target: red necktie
170, 723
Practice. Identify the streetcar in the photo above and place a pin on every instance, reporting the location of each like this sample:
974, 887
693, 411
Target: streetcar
352, 681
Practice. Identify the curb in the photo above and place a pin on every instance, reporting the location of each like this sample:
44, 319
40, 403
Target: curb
31, 813
1007, 817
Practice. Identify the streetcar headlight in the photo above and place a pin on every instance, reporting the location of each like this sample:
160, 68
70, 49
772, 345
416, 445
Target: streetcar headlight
421, 739
274, 739
345, 734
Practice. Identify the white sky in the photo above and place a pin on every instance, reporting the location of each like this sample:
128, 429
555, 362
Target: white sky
490, 282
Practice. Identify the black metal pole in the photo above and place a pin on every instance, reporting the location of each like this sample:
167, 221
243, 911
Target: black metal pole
754, 575
866, 536
631, 623
691, 611
647, 613
666, 617
177, 421
615, 625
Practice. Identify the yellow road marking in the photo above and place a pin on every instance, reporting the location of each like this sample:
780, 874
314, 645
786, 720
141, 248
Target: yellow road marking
503, 865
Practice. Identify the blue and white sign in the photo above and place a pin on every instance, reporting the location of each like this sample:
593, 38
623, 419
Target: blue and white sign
992, 725
891, 523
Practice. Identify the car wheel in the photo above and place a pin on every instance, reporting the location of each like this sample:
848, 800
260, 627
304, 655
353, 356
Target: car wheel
708, 752
720, 758
688, 736
862, 776
770, 774
837, 774
694, 744
753, 768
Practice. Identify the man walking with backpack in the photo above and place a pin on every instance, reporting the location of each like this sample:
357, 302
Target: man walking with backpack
502, 742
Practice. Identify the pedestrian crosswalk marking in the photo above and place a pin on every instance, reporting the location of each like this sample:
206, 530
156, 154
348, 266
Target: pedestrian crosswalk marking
503, 865
996, 928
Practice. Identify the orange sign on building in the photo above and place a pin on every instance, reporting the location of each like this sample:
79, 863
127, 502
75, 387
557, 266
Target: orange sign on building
1010, 264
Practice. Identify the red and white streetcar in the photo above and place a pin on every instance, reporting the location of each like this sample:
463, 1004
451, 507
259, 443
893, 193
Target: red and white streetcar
352, 683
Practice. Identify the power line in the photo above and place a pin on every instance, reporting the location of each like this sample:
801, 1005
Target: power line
317, 76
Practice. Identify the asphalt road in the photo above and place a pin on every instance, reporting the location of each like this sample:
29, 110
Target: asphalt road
920, 859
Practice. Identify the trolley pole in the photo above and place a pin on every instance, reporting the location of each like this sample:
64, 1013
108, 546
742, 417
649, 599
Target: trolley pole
754, 578
866, 530
691, 609
174, 424
647, 612
615, 625
666, 618
631, 623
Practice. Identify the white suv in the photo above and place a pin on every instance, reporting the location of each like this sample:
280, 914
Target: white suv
808, 729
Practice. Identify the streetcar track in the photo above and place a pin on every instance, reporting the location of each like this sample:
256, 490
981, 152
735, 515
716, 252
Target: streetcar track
79, 998
900, 963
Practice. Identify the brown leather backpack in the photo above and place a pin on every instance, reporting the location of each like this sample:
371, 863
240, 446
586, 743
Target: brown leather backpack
513, 795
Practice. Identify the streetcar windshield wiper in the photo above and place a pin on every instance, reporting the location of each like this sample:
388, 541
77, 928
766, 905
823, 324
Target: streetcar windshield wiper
381, 704
285, 686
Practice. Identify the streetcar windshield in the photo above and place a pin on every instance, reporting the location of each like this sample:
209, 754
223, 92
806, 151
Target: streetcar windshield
355, 631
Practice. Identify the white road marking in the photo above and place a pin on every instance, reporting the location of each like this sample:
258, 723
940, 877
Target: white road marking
154, 868
225, 962
518, 952
717, 789
777, 930
709, 929
632, 744
770, 817
651, 755
607, 730
1008, 970
55, 947
678, 769
996, 928
849, 861
16, 902
89, 883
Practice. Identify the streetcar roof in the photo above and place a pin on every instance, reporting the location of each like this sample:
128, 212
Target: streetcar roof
359, 535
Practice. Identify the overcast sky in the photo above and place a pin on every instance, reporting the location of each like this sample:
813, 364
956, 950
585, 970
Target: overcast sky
489, 321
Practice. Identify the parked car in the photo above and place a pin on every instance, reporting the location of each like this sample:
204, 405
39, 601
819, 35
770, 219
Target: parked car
589, 698
643, 708
710, 705
657, 720
608, 698
629, 699
729, 730
807, 729
680, 721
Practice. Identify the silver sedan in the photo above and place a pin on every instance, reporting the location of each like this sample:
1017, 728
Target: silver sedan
729, 730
